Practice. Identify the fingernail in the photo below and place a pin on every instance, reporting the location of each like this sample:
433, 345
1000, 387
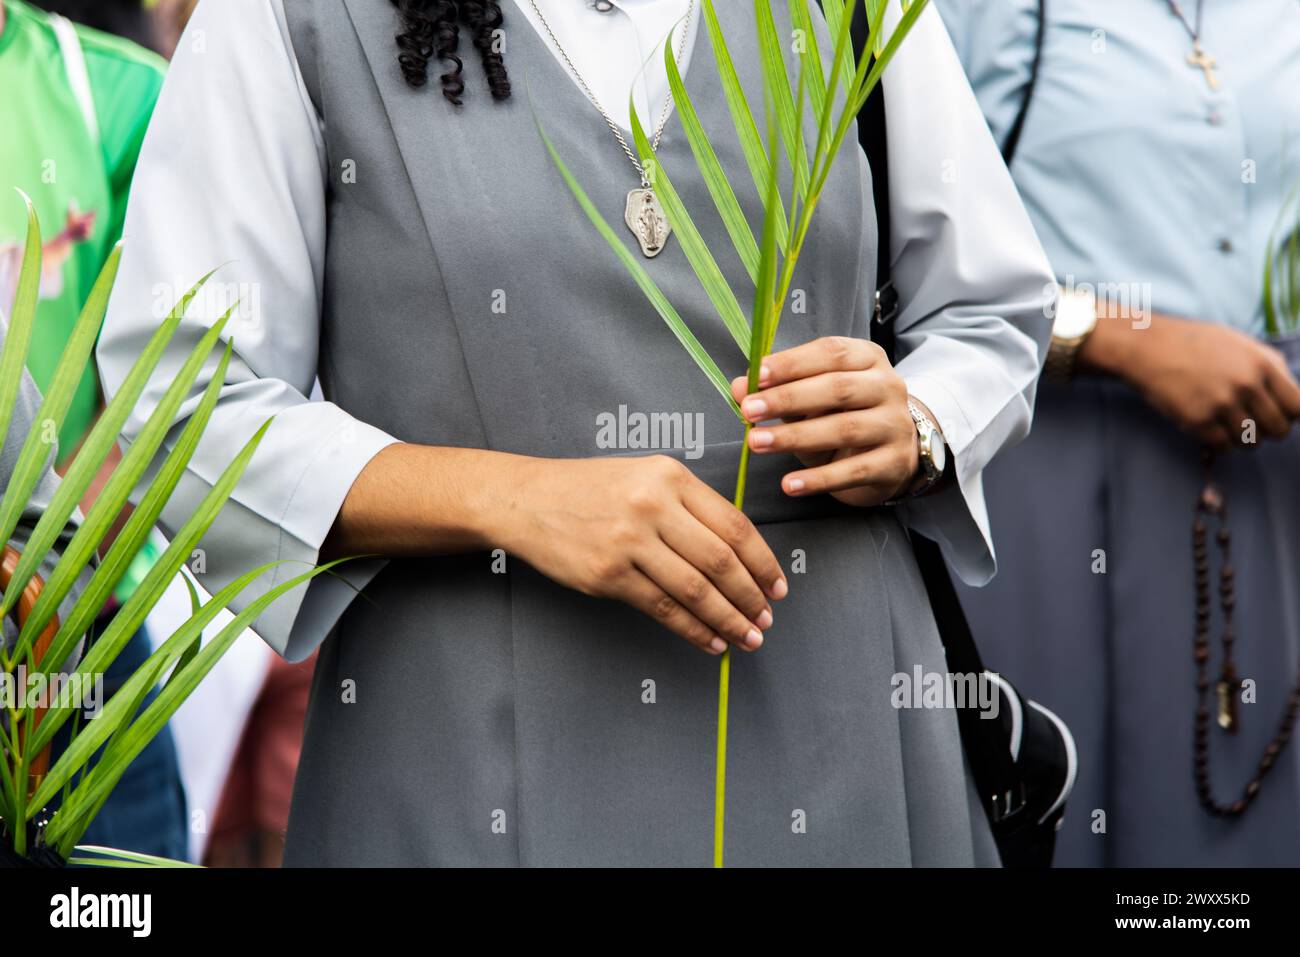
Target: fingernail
754, 408
717, 646
760, 439
780, 589
794, 485
753, 639
764, 621
764, 373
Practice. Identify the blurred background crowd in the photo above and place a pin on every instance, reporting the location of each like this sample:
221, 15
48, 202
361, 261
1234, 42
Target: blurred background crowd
214, 786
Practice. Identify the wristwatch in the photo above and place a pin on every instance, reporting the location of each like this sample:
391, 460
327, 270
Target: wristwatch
1076, 317
931, 452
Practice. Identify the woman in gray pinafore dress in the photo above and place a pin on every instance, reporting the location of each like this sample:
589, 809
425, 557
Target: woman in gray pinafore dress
468, 709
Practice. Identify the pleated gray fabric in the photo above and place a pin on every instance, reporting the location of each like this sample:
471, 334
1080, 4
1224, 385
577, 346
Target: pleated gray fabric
1112, 652
500, 719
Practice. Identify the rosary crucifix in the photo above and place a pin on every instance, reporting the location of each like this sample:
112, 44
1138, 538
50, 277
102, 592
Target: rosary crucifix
1202, 60
1198, 58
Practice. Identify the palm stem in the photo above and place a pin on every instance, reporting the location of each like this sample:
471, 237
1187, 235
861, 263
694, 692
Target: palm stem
724, 687
720, 789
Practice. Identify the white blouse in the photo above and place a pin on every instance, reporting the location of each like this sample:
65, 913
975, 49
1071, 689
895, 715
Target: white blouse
620, 51
233, 171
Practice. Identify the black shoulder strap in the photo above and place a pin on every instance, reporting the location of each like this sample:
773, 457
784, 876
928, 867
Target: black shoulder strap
1012, 141
871, 134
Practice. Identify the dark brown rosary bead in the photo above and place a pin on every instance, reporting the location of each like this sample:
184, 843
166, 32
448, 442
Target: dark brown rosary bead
1211, 501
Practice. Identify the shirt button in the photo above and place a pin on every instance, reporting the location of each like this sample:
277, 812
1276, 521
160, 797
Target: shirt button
1225, 246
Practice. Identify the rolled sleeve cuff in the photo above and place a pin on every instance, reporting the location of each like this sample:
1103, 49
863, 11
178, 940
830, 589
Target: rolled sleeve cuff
299, 620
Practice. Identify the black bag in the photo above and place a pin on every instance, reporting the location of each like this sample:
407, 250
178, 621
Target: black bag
1023, 762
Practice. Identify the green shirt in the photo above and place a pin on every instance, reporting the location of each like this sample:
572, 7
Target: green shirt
78, 183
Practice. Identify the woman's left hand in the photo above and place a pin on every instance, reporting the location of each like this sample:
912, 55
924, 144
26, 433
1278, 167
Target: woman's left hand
844, 415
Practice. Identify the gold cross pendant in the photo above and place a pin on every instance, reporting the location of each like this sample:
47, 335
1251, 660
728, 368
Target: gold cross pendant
1203, 61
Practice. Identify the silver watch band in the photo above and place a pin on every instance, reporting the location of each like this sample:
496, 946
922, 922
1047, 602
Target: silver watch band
927, 432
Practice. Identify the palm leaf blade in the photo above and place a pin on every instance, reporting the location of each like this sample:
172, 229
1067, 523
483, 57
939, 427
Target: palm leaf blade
837, 19
643, 280
137, 527
95, 787
34, 458
22, 319
693, 244
112, 857
116, 491
118, 708
780, 96
742, 118
103, 436
132, 614
715, 178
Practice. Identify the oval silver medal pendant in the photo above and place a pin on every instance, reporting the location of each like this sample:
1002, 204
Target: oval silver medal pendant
645, 217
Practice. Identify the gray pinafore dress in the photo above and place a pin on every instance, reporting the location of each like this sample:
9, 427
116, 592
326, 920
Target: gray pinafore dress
466, 713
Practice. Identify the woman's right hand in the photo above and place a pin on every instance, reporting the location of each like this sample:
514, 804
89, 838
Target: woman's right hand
1210, 380
647, 532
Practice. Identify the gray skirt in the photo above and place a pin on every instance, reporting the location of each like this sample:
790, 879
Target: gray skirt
1111, 651
465, 714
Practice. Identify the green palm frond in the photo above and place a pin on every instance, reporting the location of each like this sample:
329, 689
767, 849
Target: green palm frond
838, 17
125, 476
809, 54
129, 720
37, 450
1280, 295
89, 795
835, 88
742, 117
111, 857
711, 171
94, 450
693, 244
648, 286
136, 530
780, 96
763, 321
18, 335
131, 615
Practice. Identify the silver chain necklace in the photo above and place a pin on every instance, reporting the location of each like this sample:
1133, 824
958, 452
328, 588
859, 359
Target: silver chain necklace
643, 214
1198, 58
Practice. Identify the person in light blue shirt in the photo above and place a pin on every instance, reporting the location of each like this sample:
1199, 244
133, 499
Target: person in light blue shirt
1155, 144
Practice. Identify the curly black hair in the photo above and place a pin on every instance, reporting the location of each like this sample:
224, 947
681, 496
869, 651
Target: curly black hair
430, 28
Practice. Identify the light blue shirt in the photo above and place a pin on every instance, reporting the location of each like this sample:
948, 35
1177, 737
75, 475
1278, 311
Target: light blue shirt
1133, 170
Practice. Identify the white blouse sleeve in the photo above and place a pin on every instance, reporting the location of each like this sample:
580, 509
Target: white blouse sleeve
974, 284
232, 175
